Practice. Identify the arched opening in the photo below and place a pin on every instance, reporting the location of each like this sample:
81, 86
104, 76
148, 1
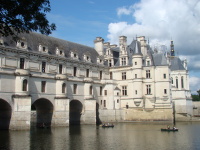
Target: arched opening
5, 114
75, 112
98, 120
44, 112
63, 88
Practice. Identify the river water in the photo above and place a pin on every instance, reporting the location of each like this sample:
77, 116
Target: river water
124, 136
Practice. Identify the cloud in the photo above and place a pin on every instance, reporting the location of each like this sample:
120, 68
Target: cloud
161, 21
194, 84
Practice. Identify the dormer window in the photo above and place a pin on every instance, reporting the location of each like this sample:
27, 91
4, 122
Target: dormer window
74, 54
87, 58
59, 52
43, 48
100, 60
22, 43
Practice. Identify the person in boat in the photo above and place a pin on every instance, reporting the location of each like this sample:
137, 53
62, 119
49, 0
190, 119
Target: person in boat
174, 128
168, 127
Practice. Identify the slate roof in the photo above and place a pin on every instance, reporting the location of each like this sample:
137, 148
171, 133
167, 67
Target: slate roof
176, 64
34, 39
159, 59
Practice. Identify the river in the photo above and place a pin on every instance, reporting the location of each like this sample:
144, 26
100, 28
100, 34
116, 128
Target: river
124, 136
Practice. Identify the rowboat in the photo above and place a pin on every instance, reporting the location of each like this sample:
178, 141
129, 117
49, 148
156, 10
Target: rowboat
107, 126
173, 130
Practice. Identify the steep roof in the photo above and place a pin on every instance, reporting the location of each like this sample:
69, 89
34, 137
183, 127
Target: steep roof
159, 59
34, 39
176, 64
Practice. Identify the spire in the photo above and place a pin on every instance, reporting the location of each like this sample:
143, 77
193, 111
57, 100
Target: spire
136, 47
172, 52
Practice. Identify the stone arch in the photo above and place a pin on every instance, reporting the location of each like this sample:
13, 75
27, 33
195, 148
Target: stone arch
5, 114
44, 112
75, 112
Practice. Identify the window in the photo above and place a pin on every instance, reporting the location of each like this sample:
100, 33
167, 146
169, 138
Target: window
111, 76
136, 76
24, 85
117, 93
63, 88
164, 76
101, 102
21, 63
22, 44
91, 91
43, 86
110, 63
176, 82
172, 80
44, 49
60, 69
136, 63
182, 82
148, 89
43, 66
100, 75
105, 92
104, 103
61, 52
75, 89
123, 75
117, 101
148, 75
124, 90
123, 61
135, 92
75, 69
148, 63
165, 91
101, 89
87, 72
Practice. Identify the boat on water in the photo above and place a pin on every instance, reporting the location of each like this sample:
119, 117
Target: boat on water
169, 130
107, 126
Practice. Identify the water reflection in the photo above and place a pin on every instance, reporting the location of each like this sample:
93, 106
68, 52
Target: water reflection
122, 136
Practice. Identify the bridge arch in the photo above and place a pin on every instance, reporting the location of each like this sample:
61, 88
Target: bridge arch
75, 112
5, 114
44, 112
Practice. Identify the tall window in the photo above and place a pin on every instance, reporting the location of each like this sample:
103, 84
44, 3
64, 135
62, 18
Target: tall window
111, 77
172, 80
43, 86
124, 90
75, 69
135, 62
101, 102
63, 88
101, 89
176, 82
135, 92
148, 75
24, 85
148, 63
21, 63
165, 91
75, 89
105, 92
100, 75
87, 72
91, 91
123, 61
43, 66
123, 75
182, 82
110, 63
104, 103
148, 89
60, 69
164, 76
136, 76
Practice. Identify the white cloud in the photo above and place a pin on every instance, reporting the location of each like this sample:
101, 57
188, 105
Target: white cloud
161, 21
194, 84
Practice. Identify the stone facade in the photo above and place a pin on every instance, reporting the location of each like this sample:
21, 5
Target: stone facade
53, 82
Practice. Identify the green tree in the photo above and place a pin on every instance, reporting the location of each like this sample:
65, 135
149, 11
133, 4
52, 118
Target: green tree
18, 16
195, 98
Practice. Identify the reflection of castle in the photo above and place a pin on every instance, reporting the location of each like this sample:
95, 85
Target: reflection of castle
61, 79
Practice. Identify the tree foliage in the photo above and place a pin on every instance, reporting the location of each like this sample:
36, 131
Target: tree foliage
195, 98
23, 16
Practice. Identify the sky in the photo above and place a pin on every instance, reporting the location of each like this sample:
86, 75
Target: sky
160, 21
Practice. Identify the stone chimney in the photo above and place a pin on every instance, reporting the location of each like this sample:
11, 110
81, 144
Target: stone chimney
98, 45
